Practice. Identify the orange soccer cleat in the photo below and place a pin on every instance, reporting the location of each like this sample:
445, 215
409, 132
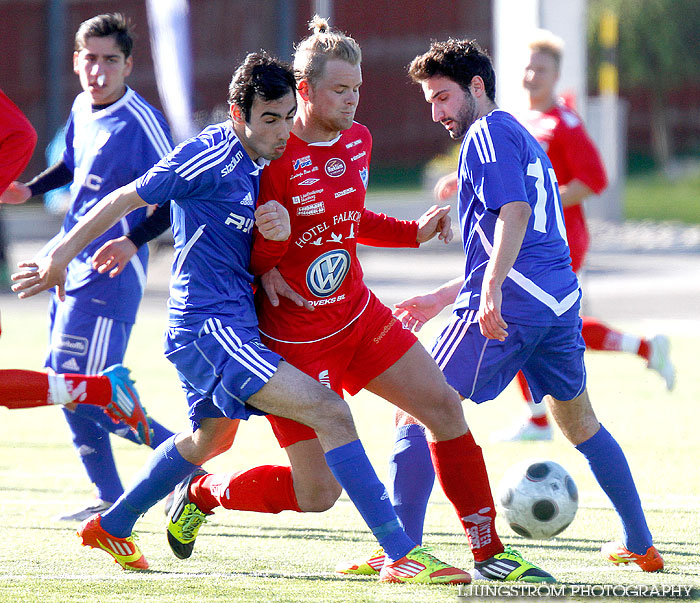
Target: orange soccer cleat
124, 551
616, 552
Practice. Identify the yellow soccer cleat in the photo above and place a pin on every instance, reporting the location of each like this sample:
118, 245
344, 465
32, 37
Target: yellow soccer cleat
509, 566
185, 518
366, 566
420, 567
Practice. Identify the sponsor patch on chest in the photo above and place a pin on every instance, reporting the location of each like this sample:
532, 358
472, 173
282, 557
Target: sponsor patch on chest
335, 167
312, 209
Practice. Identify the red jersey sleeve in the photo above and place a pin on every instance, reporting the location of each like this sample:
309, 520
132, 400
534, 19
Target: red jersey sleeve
583, 159
266, 254
380, 230
17, 141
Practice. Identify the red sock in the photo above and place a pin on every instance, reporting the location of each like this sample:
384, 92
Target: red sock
459, 465
538, 413
265, 489
599, 336
27, 389
644, 349
524, 387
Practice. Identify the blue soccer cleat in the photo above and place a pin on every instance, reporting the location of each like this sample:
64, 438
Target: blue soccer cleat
125, 405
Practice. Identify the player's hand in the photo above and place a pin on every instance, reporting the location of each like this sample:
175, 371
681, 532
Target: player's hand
435, 221
446, 187
275, 287
272, 220
491, 322
36, 276
15, 194
114, 256
416, 311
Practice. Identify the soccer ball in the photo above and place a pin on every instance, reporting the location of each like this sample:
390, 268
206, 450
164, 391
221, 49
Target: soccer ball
538, 498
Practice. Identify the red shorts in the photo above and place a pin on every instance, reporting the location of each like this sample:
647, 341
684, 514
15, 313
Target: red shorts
347, 361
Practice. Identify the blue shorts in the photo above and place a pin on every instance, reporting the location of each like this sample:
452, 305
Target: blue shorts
551, 358
220, 366
83, 343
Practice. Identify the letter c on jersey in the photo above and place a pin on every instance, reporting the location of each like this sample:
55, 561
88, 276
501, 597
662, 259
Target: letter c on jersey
327, 272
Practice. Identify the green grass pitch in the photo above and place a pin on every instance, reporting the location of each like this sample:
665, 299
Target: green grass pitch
290, 557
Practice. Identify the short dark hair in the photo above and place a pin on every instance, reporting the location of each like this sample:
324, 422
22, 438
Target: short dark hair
262, 75
101, 26
459, 60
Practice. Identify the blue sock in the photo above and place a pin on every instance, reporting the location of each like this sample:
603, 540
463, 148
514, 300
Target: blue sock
97, 415
160, 433
95, 452
609, 465
164, 470
354, 472
412, 476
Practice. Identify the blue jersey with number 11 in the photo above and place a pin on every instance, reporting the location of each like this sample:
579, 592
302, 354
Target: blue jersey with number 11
499, 163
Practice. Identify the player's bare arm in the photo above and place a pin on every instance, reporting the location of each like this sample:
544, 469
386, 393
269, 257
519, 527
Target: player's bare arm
574, 193
446, 187
50, 271
508, 238
275, 286
435, 221
114, 256
272, 220
416, 311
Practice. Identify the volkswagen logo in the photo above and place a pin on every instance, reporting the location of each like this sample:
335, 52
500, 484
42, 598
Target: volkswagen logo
327, 272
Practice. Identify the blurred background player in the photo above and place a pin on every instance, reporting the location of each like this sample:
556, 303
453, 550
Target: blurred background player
17, 142
580, 173
113, 135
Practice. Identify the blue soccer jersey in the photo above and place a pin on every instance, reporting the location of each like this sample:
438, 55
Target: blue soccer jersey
213, 185
499, 163
105, 150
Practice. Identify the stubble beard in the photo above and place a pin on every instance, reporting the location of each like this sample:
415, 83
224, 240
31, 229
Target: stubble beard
465, 117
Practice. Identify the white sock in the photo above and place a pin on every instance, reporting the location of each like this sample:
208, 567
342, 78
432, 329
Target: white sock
58, 390
630, 343
536, 410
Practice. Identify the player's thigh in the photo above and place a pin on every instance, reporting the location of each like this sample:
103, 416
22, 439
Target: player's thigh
325, 362
415, 384
556, 367
378, 341
83, 343
292, 394
477, 367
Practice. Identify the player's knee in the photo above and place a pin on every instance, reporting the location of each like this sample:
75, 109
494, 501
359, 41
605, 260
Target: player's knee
210, 440
444, 410
333, 414
321, 498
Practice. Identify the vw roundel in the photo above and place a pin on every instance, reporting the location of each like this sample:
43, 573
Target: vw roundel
327, 272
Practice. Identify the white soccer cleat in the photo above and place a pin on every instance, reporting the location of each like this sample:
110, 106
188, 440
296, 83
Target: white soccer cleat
660, 359
524, 431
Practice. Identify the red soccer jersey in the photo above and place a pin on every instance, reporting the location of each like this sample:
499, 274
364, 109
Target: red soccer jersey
573, 155
17, 141
323, 186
